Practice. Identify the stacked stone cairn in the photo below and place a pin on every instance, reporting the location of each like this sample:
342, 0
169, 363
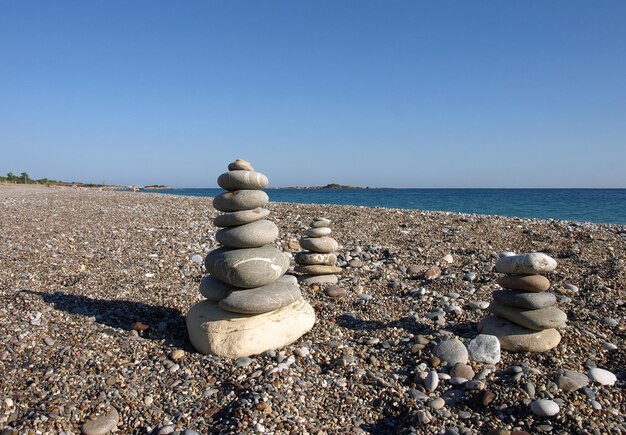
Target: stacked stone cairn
317, 261
251, 305
524, 318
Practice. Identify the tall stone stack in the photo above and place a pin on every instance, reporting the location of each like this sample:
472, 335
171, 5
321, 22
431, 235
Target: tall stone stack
317, 261
251, 305
524, 317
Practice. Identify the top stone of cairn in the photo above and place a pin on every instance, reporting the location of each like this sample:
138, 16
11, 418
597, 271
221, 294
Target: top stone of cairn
526, 264
240, 165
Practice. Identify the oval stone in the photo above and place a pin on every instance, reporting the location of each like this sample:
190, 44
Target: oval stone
319, 244
452, 351
247, 268
240, 217
213, 330
318, 279
320, 222
240, 200
263, 299
213, 289
544, 408
252, 235
318, 232
529, 283
306, 257
528, 300
102, 424
526, 264
544, 318
240, 165
242, 180
515, 338
318, 269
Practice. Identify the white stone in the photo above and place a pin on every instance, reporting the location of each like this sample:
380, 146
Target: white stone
431, 381
484, 349
544, 408
526, 264
213, 330
601, 376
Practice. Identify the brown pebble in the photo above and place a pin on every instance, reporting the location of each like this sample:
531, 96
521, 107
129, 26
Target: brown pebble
335, 291
435, 361
139, 327
485, 397
529, 283
432, 273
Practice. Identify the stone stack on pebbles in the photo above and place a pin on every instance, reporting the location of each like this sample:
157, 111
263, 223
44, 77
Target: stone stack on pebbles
318, 261
251, 305
524, 316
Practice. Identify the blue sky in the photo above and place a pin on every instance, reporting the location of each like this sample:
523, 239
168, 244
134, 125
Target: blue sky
396, 94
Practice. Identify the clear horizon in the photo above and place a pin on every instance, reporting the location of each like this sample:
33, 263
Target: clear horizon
398, 95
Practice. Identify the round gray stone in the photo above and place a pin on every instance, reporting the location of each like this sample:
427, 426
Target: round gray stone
451, 351
240, 217
318, 279
528, 300
252, 235
319, 244
269, 297
601, 376
306, 258
544, 318
526, 264
240, 165
320, 222
240, 200
242, 180
102, 424
515, 338
484, 349
247, 268
544, 408
318, 232
214, 289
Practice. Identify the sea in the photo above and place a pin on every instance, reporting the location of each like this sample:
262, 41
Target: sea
583, 205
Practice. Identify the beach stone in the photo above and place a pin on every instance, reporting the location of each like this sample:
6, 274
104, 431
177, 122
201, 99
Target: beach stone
484, 349
529, 283
572, 381
213, 289
461, 370
431, 381
317, 269
544, 408
240, 165
515, 338
448, 258
544, 318
263, 299
242, 180
320, 223
240, 200
452, 351
319, 244
240, 217
247, 268
101, 424
526, 264
335, 291
601, 376
318, 232
528, 300
213, 330
318, 279
252, 235
309, 258
432, 273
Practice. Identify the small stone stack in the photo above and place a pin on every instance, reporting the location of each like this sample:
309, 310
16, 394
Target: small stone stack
317, 261
250, 305
525, 318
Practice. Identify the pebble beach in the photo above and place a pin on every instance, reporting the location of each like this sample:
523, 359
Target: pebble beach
95, 286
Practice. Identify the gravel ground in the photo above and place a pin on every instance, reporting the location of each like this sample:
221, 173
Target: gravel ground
94, 287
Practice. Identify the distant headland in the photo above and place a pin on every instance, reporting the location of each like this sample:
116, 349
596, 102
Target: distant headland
328, 186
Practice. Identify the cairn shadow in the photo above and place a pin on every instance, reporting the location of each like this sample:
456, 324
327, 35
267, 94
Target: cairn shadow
165, 323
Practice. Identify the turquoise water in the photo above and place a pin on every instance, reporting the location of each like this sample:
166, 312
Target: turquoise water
589, 205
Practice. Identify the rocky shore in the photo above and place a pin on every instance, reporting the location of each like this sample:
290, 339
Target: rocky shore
95, 286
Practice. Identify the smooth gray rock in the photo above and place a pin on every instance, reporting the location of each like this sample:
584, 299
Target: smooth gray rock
252, 235
247, 268
272, 296
601, 376
308, 258
318, 269
515, 338
529, 283
544, 408
242, 180
320, 222
213, 289
431, 381
318, 279
528, 300
240, 217
318, 232
484, 349
319, 244
102, 424
240, 200
572, 381
526, 264
451, 351
240, 165
544, 318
